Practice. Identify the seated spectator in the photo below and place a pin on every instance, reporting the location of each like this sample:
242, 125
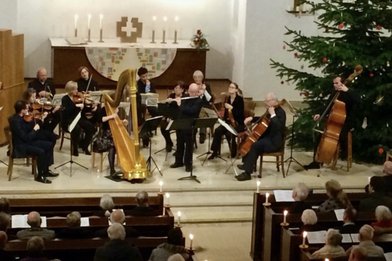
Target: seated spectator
358, 254
118, 216
35, 249
337, 199
176, 257
4, 255
173, 246
365, 237
300, 193
388, 176
106, 203
5, 205
349, 218
5, 221
74, 230
332, 247
117, 249
383, 222
142, 208
377, 196
309, 220
34, 221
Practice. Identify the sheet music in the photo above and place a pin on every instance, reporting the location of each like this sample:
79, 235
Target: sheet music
316, 237
148, 95
20, 221
346, 238
228, 127
354, 237
56, 100
283, 195
339, 214
388, 256
84, 222
74, 122
169, 124
152, 102
207, 95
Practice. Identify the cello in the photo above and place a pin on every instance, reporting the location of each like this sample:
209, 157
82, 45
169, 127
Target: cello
329, 141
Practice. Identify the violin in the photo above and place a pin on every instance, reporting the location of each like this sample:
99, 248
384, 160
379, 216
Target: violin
78, 98
230, 115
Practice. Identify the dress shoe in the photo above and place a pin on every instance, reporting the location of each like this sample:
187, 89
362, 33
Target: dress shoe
243, 176
312, 165
188, 168
75, 153
212, 156
241, 166
42, 180
169, 147
202, 139
176, 165
51, 174
87, 152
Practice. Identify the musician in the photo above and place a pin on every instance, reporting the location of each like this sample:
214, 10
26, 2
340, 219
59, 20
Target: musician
71, 108
29, 139
42, 85
189, 108
234, 116
52, 117
350, 98
271, 140
207, 98
83, 81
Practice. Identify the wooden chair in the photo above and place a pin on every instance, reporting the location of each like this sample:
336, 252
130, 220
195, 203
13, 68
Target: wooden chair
279, 157
8, 135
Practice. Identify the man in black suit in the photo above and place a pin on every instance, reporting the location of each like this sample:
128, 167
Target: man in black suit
29, 140
117, 249
188, 109
42, 85
271, 140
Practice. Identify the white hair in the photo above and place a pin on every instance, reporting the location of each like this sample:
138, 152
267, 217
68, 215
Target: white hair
116, 231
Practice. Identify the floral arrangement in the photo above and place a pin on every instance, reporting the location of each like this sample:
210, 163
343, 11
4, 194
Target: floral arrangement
199, 41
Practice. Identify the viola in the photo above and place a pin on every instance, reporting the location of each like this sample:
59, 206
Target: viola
230, 115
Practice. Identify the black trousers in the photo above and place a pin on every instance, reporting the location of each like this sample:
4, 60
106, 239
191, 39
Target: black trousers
89, 131
217, 141
43, 150
184, 147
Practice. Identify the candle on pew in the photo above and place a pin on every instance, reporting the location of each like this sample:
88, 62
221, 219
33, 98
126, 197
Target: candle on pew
191, 238
304, 235
178, 218
160, 186
266, 203
285, 216
258, 186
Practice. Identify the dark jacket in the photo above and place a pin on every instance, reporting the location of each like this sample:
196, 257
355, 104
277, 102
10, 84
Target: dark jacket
46, 86
238, 111
22, 135
375, 199
275, 131
82, 85
117, 250
69, 112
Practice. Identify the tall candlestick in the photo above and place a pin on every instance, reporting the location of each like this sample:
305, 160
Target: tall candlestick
76, 18
88, 28
178, 218
191, 238
89, 35
154, 18
101, 35
164, 31
100, 21
176, 18
88, 21
160, 186
258, 186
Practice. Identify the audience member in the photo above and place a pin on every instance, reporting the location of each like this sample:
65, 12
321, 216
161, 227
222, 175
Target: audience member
34, 221
377, 196
5, 221
336, 197
117, 249
383, 222
142, 208
74, 230
118, 216
35, 249
388, 176
174, 245
358, 254
106, 203
349, 218
365, 237
332, 247
309, 220
5, 205
300, 193
4, 255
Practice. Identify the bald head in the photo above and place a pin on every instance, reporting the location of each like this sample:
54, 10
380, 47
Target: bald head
42, 74
117, 216
34, 219
193, 90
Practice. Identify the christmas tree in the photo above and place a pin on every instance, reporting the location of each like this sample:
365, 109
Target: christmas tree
353, 35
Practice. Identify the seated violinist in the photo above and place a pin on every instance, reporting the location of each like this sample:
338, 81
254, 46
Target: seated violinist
42, 85
29, 139
86, 83
272, 138
72, 106
234, 116
52, 117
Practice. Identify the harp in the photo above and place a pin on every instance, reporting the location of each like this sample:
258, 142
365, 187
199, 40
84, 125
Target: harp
131, 162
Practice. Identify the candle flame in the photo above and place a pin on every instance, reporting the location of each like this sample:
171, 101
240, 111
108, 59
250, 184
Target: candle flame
179, 213
285, 212
191, 236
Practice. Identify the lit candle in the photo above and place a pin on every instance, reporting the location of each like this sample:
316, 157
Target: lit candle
160, 186
154, 18
76, 18
304, 234
178, 218
266, 197
369, 180
164, 31
176, 18
284, 216
258, 186
167, 196
100, 21
191, 238
88, 21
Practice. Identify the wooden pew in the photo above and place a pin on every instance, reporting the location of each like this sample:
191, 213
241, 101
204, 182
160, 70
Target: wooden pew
266, 223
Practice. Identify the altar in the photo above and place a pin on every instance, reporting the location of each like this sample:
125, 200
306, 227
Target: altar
167, 63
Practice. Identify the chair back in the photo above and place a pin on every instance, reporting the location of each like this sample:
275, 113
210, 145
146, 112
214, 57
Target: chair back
8, 136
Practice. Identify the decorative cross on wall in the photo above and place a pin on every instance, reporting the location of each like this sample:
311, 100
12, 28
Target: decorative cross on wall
129, 31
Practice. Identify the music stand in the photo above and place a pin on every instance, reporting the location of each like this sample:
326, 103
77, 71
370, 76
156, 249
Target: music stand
183, 124
148, 126
291, 159
207, 123
169, 112
71, 161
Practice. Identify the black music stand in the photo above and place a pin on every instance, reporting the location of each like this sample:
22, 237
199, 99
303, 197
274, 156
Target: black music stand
148, 126
170, 112
183, 124
207, 123
291, 158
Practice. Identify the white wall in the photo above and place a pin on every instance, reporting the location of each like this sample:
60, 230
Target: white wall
243, 34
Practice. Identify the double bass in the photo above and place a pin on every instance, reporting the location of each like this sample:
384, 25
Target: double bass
329, 141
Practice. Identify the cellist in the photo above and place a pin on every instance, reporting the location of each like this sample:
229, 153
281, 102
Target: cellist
271, 140
351, 99
233, 115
